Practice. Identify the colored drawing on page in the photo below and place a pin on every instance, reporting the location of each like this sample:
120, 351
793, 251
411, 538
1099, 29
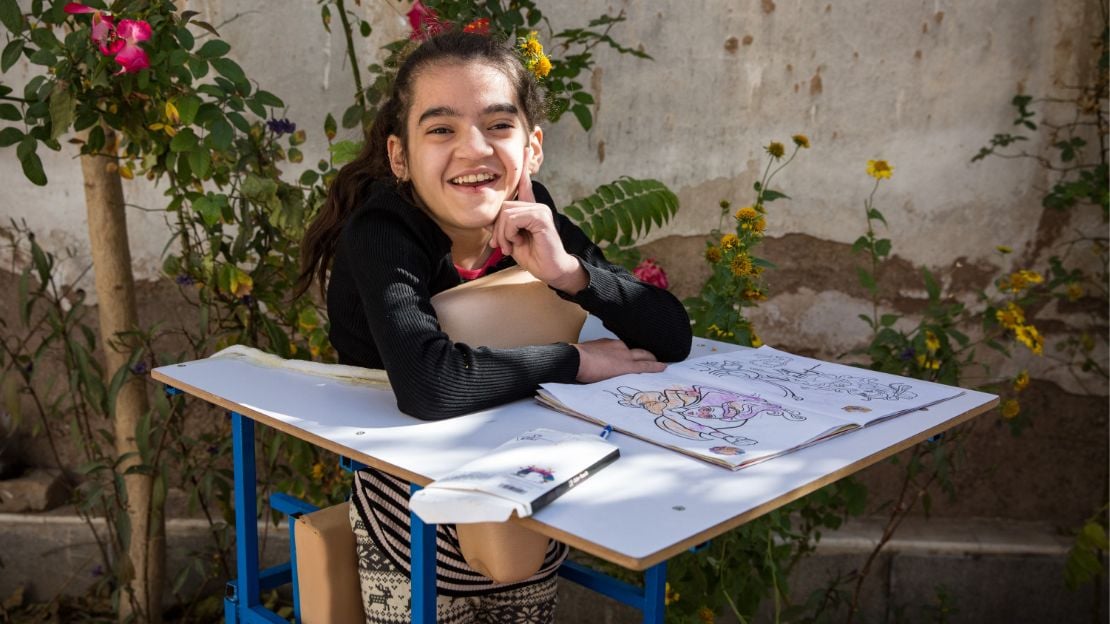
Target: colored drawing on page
703, 413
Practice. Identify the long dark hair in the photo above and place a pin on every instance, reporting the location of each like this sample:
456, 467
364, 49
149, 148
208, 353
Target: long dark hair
372, 163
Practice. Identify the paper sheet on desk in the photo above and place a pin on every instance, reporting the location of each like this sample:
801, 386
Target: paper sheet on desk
522, 475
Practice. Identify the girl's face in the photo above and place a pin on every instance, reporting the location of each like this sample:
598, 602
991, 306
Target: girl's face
467, 140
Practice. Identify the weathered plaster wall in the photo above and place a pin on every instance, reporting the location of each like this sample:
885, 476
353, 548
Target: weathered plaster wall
921, 83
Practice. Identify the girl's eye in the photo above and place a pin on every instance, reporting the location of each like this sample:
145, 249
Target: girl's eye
439, 131
502, 125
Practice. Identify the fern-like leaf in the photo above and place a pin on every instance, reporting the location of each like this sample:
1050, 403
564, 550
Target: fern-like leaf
623, 210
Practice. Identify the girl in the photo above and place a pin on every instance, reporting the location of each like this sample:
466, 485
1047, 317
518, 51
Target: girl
442, 193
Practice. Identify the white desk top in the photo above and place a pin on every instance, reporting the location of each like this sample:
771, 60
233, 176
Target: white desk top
644, 508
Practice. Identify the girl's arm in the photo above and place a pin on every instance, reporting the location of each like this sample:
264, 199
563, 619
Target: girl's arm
433, 378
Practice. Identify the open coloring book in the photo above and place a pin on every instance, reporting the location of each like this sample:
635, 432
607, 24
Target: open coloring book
738, 408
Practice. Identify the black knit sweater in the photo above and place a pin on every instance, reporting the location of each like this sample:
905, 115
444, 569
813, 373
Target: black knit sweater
391, 258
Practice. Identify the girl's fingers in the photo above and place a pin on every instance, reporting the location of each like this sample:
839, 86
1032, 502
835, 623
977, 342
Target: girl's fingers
524, 187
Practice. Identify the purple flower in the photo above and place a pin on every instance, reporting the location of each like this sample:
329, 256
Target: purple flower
281, 126
185, 280
906, 355
140, 368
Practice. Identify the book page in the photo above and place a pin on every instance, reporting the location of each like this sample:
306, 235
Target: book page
852, 394
702, 416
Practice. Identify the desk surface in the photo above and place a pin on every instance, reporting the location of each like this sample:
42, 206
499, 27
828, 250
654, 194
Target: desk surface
644, 508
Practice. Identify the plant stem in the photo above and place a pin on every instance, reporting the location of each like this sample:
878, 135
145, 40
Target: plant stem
360, 97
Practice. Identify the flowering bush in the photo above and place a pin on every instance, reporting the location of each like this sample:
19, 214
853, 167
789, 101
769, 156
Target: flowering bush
736, 281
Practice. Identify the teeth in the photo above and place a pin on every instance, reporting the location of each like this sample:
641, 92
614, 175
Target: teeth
472, 178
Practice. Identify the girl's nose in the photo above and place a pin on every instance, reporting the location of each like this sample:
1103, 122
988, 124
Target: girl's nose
474, 144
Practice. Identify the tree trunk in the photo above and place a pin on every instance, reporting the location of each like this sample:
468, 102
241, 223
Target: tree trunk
115, 291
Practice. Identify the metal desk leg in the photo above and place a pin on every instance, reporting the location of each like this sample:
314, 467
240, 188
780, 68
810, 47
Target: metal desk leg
655, 593
422, 561
245, 594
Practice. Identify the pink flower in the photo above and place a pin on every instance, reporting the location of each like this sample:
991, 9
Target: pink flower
424, 21
74, 8
649, 272
129, 55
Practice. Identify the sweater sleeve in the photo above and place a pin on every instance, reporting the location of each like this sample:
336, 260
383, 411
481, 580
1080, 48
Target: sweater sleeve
641, 315
433, 377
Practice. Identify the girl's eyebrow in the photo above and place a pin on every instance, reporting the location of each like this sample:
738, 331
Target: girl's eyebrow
447, 111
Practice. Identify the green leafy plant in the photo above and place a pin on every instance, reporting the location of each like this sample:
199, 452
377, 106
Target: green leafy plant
736, 281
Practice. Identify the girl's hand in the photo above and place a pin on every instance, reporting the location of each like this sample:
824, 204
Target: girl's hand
526, 231
605, 358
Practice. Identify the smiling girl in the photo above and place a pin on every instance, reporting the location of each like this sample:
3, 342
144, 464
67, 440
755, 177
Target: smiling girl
441, 194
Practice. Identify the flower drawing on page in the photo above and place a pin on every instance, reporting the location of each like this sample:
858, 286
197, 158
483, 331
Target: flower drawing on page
701, 412
791, 377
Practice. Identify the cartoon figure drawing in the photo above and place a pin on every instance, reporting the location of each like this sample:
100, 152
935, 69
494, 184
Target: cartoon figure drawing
536, 474
776, 371
702, 412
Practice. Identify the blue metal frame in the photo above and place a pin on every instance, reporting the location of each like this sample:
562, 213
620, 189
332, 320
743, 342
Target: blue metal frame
422, 544
242, 602
649, 599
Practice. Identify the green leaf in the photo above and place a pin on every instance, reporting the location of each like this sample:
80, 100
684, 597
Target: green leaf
183, 141
11, 16
10, 136
889, 319
32, 168
44, 38
770, 196
585, 119
329, 127
931, 285
882, 247
352, 116
200, 161
259, 189
11, 54
220, 134
63, 107
213, 49
229, 69
343, 152
210, 208
268, 99
9, 112
866, 279
624, 208
187, 107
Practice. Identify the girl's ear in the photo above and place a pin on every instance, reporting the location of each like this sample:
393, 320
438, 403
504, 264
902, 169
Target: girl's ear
535, 140
397, 158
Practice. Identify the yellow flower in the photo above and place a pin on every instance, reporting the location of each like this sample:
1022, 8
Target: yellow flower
706, 615
1010, 408
741, 265
932, 343
776, 150
670, 596
317, 471
879, 169
713, 254
927, 363
756, 342
801, 140
1030, 337
1021, 382
754, 295
1019, 281
540, 66
729, 241
746, 213
1011, 316
760, 225
531, 46
1075, 292
1004, 249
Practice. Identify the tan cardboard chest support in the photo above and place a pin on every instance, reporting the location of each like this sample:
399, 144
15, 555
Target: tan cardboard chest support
507, 309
